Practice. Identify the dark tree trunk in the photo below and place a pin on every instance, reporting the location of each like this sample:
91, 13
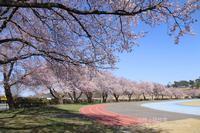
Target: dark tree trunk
116, 97
152, 97
55, 95
104, 97
9, 96
7, 71
129, 97
78, 97
74, 97
144, 96
89, 96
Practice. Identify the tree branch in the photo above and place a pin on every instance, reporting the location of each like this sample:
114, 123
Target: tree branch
51, 5
8, 19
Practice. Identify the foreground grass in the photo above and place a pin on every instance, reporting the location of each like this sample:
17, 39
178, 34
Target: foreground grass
60, 118
189, 125
57, 119
192, 103
66, 119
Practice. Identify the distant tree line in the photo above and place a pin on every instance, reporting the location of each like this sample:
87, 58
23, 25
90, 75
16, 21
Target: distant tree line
186, 84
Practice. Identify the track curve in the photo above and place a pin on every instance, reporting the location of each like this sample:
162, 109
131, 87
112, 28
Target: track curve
99, 113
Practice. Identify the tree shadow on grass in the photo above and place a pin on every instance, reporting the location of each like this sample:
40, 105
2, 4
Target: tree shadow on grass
11, 115
51, 119
77, 128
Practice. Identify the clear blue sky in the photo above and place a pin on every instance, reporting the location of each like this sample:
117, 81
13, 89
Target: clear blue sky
158, 59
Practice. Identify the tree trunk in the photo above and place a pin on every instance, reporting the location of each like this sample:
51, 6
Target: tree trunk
116, 97
104, 97
144, 96
138, 97
89, 96
129, 97
55, 95
78, 97
7, 87
9, 96
60, 101
74, 97
152, 97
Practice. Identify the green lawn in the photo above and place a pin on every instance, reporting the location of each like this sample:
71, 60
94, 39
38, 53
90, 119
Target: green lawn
60, 118
57, 119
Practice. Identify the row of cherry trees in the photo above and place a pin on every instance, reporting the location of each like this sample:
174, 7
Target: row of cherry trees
73, 82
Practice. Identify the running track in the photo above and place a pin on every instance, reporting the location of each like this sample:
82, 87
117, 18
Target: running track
99, 113
129, 113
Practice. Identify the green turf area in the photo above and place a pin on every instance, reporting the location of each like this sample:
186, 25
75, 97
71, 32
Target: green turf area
60, 118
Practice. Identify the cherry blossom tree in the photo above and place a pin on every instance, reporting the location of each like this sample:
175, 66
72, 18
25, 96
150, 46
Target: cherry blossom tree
46, 77
88, 88
177, 93
14, 73
142, 87
81, 81
87, 32
71, 78
193, 93
168, 93
115, 86
64, 80
102, 84
128, 89
146, 89
158, 90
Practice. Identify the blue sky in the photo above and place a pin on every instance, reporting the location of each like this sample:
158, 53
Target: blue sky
158, 59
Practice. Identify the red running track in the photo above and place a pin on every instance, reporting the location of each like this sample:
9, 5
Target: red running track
99, 113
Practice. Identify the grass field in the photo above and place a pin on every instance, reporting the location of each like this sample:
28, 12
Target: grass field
66, 119
60, 118
179, 126
192, 103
